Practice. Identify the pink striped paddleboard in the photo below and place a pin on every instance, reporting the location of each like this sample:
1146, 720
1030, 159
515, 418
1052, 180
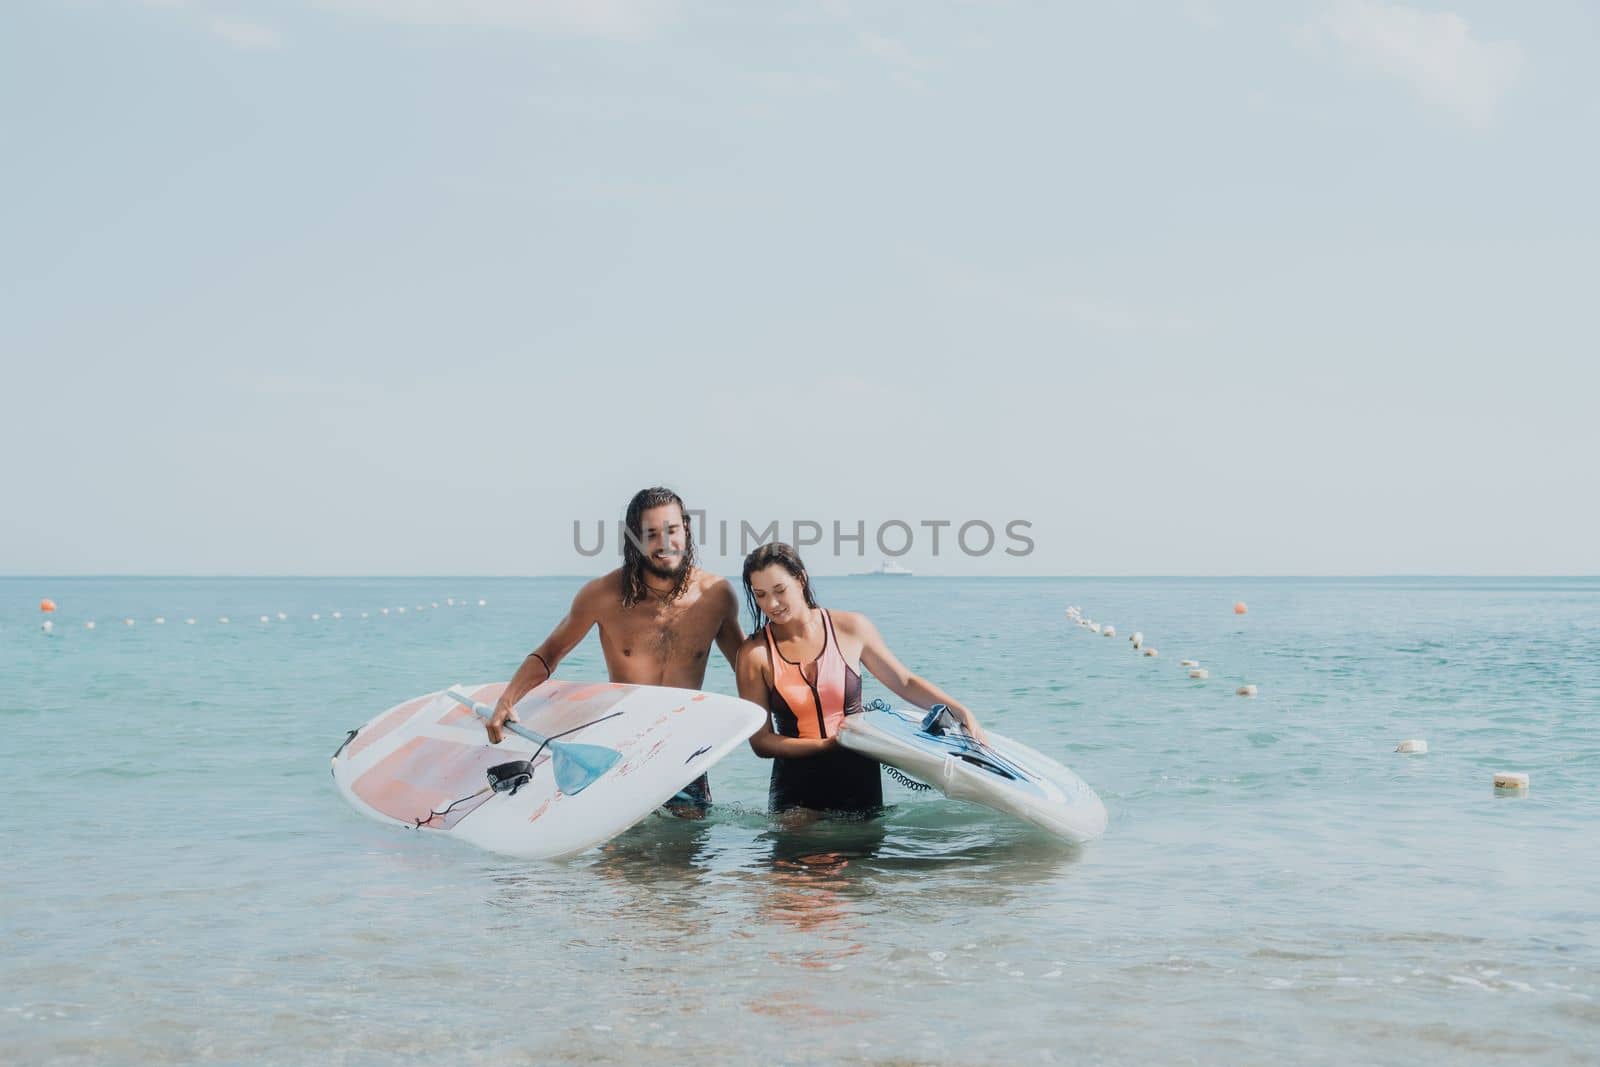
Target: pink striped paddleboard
424, 763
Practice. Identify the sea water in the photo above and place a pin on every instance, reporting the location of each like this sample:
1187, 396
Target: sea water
181, 883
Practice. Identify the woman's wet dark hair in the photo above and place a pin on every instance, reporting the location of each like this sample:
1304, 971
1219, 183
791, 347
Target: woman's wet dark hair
765, 556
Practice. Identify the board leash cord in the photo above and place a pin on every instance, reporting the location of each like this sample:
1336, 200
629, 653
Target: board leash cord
506, 777
938, 722
879, 704
906, 780
577, 766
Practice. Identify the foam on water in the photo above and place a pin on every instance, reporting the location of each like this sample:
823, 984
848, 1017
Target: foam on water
183, 884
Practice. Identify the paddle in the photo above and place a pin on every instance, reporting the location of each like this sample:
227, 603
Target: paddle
576, 766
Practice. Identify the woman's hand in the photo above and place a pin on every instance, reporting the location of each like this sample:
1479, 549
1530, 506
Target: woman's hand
769, 745
876, 657
970, 721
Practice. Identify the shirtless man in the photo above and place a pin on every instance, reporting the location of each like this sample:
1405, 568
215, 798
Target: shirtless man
658, 615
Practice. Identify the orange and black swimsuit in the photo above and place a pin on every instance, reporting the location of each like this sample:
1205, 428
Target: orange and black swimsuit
838, 779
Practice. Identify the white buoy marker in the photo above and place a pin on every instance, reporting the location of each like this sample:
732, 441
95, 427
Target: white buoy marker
1510, 782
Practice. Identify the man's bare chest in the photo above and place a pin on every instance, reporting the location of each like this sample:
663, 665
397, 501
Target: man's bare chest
661, 632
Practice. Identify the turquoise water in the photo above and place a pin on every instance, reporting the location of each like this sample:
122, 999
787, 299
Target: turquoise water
182, 883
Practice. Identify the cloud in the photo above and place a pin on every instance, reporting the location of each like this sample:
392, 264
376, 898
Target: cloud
789, 83
250, 36
1200, 12
1100, 315
305, 385
903, 66
243, 34
1433, 50
1112, 317
601, 18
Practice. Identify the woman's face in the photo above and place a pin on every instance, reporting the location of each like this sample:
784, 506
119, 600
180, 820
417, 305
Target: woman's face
780, 595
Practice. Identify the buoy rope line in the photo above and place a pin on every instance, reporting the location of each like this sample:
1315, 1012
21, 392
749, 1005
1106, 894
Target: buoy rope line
1196, 672
1506, 783
51, 613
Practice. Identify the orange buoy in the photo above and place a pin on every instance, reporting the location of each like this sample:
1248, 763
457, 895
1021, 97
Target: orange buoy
1239, 608
47, 605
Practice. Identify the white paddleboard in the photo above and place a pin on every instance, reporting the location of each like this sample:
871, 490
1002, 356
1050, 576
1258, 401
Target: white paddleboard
1003, 774
420, 757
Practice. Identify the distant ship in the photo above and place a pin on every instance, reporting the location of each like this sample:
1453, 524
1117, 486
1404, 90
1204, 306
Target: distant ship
890, 567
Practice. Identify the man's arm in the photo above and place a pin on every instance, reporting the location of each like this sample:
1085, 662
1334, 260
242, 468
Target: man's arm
731, 635
541, 662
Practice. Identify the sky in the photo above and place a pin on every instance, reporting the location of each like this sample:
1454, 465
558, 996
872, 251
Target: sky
413, 287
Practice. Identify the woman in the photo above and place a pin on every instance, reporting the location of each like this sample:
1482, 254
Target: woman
804, 667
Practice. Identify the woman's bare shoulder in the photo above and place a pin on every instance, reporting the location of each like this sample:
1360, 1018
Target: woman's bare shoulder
850, 622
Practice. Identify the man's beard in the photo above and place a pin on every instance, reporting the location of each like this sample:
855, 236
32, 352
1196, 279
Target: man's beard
671, 574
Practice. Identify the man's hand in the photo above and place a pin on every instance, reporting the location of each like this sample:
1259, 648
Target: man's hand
495, 727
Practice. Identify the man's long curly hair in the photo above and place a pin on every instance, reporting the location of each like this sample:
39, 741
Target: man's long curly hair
634, 563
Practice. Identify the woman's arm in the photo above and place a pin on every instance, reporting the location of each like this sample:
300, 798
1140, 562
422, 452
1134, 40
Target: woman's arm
876, 657
766, 742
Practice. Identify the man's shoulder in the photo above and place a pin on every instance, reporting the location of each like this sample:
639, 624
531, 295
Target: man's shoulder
602, 592
714, 585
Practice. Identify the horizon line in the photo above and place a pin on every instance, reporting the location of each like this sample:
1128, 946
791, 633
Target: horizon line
817, 574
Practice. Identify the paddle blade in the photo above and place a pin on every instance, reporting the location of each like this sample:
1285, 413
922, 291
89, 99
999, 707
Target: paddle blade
579, 766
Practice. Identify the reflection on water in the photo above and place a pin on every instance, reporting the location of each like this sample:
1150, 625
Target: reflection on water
660, 852
815, 877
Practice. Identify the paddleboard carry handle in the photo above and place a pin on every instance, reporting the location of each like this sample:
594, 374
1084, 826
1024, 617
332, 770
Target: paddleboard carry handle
510, 777
576, 766
940, 720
